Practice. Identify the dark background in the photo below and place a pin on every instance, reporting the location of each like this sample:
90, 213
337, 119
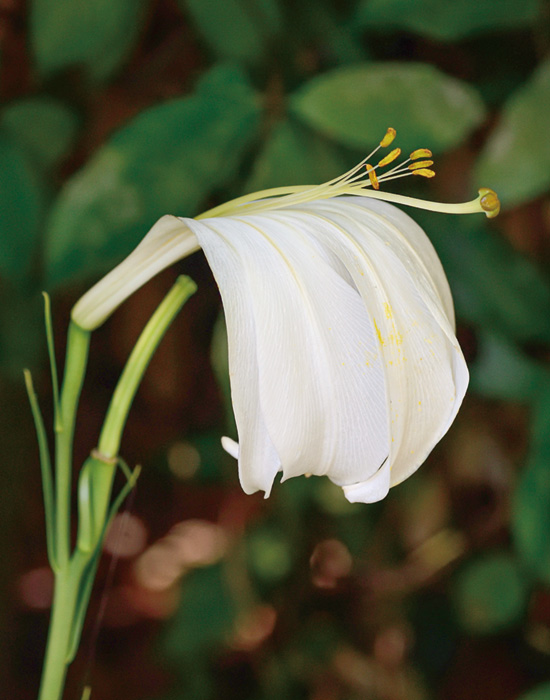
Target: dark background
114, 112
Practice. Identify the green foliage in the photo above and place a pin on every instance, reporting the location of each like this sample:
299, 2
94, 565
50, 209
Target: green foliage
355, 105
234, 96
531, 511
490, 594
205, 615
516, 158
22, 203
493, 286
242, 30
295, 155
541, 692
168, 159
44, 127
446, 21
269, 554
96, 35
501, 371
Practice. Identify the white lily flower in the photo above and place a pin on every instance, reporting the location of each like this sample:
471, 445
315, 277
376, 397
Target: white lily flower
342, 352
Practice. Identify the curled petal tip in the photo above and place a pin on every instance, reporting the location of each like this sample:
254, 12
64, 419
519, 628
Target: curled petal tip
489, 202
230, 446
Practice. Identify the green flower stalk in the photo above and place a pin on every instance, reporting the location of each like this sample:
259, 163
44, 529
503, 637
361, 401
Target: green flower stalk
75, 570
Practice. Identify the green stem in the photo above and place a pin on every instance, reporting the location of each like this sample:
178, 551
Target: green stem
67, 587
75, 367
75, 573
109, 440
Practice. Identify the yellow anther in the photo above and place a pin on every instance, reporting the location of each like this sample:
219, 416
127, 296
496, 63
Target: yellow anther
489, 202
420, 164
388, 138
421, 153
392, 155
423, 172
372, 177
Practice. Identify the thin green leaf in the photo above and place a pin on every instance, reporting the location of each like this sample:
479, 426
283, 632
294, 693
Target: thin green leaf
46, 470
53, 364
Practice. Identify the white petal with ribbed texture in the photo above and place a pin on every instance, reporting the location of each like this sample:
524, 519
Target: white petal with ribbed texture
353, 368
167, 241
258, 460
320, 374
425, 370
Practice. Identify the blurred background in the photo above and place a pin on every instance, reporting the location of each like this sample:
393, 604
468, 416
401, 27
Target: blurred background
115, 112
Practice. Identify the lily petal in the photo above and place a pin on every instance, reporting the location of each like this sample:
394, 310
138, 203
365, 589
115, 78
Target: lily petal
321, 379
425, 369
258, 459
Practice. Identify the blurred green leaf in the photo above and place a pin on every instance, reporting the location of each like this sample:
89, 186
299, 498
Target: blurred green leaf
490, 594
241, 30
294, 155
44, 127
446, 21
493, 285
516, 159
531, 508
167, 160
22, 203
324, 25
501, 371
355, 105
22, 342
96, 34
268, 553
204, 618
541, 692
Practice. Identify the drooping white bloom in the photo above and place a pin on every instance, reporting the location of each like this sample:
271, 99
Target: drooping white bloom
342, 353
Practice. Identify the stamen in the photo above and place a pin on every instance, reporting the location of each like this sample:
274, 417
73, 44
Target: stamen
420, 164
388, 138
424, 172
390, 157
355, 183
421, 153
372, 177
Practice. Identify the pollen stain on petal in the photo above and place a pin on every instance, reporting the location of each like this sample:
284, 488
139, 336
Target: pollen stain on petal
388, 310
378, 334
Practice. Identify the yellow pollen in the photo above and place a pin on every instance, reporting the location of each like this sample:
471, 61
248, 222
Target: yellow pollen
420, 164
372, 177
489, 202
390, 157
423, 172
421, 153
388, 138
379, 335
